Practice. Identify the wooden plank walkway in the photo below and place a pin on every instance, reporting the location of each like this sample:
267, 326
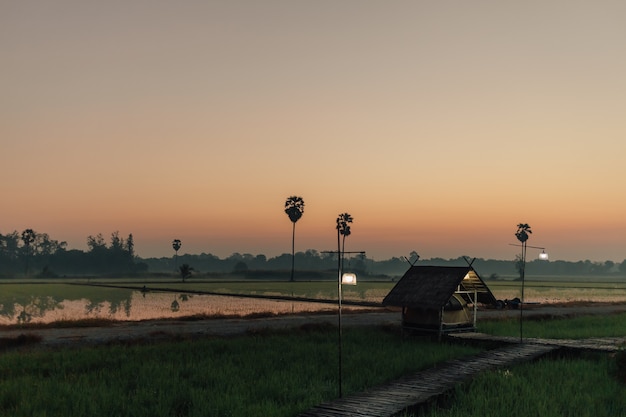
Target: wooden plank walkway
411, 391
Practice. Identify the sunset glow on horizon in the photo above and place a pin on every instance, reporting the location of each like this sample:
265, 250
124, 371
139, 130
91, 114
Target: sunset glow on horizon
439, 126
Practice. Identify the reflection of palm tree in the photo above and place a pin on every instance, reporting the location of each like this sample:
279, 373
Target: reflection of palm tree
343, 229
294, 207
176, 244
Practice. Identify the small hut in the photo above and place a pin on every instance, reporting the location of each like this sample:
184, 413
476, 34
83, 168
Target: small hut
439, 298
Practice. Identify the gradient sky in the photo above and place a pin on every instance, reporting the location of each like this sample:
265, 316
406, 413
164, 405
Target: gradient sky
438, 125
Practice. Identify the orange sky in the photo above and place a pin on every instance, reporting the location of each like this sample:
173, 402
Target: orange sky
438, 125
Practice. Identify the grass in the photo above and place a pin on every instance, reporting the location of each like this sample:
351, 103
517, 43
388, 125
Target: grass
595, 391
591, 385
548, 388
580, 327
267, 373
285, 373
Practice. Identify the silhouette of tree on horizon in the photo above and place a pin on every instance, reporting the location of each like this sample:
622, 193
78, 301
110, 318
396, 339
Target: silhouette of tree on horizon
185, 271
28, 237
294, 207
176, 244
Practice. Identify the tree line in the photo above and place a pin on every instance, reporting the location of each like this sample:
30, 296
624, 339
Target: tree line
34, 254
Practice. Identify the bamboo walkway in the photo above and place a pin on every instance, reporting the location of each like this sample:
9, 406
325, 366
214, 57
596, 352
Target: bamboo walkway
412, 391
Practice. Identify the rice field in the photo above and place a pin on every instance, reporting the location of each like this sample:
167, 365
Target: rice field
546, 292
130, 300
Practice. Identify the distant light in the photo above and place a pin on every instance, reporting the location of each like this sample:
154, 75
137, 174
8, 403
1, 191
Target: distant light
543, 255
348, 278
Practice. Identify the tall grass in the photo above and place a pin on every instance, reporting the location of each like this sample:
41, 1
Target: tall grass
582, 327
548, 388
266, 374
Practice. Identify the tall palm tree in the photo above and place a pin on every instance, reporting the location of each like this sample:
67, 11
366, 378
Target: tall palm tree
343, 229
176, 244
294, 207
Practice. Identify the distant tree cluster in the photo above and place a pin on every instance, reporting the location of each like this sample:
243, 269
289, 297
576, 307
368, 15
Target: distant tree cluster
312, 260
34, 254
20, 253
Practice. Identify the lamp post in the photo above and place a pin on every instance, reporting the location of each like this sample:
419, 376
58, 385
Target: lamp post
343, 278
347, 278
343, 229
523, 230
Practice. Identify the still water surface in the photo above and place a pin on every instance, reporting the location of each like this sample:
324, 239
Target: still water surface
137, 305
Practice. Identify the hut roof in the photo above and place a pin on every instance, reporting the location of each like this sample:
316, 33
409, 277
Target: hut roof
430, 287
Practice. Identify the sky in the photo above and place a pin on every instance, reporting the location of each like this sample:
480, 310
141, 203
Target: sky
438, 125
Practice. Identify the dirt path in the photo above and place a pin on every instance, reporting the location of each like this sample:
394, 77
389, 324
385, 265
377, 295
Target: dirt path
160, 329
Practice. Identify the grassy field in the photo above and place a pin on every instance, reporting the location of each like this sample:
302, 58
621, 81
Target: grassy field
561, 291
582, 387
282, 373
265, 374
585, 385
580, 327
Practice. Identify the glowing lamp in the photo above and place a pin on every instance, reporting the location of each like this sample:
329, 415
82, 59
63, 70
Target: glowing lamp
348, 278
543, 255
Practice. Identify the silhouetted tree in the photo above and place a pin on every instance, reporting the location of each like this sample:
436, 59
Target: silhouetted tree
28, 237
130, 246
294, 207
185, 271
176, 244
96, 243
343, 229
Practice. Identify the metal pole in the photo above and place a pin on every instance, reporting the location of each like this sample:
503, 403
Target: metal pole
339, 256
521, 306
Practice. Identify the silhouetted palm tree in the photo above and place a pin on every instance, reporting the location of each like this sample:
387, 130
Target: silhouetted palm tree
294, 207
176, 244
343, 229
523, 230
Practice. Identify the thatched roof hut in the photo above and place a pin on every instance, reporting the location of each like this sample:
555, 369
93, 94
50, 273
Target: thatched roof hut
439, 297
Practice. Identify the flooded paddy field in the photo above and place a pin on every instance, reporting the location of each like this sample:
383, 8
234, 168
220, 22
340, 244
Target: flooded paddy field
128, 300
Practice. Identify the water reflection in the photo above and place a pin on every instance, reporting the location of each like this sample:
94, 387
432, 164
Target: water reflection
132, 305
21, 309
